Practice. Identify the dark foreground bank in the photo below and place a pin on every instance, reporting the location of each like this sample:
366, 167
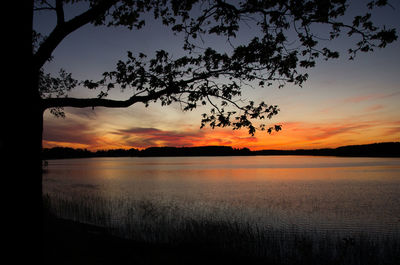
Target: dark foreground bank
69, 242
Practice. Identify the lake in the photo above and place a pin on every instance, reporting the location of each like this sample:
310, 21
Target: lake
307, 193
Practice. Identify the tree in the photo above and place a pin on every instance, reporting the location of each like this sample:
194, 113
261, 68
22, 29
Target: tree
284, 47
194, 79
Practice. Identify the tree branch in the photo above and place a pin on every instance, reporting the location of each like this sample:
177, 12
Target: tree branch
47, 7
60, 12
43, 8
64, 29
100, 102
87, 102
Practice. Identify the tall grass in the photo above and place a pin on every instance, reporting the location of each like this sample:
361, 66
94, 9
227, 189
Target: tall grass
167, 223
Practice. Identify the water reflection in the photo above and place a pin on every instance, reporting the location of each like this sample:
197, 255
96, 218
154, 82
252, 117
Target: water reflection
310, 192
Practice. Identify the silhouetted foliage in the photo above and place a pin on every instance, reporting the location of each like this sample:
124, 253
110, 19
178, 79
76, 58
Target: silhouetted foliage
369, 150
202, 77
283, 46
390, 149
194, 151
67, 152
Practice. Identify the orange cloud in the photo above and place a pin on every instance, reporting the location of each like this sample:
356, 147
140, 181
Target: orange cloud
147, 137
51, 144
295, 135
393, 131
77, 134
368, 97
358, 99
374, 108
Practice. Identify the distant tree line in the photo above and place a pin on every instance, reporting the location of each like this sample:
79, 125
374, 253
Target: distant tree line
389, 149
67, 152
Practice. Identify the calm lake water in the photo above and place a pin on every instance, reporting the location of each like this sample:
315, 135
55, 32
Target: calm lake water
305, 192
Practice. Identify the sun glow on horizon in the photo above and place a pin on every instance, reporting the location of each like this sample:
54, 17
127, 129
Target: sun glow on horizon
80, 133
343, 102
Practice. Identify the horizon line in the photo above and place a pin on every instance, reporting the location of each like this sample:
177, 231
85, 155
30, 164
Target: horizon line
234, 148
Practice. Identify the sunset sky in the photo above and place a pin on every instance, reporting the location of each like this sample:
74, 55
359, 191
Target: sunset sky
343, 102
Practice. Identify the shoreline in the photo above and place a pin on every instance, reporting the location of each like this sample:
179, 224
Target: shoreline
384, 150
73, 242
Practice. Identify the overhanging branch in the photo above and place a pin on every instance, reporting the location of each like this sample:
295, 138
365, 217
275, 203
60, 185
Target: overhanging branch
86, 102
64, 29
100, 102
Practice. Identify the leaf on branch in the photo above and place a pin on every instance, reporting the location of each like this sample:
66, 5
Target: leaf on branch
273, 55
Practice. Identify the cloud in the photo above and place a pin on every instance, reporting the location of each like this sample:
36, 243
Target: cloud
368, 97
328, 131
361, 99
139, 130
77, 133
298, 135
358, 99
374, 108
393, 131
71, 132
145, 137
94, 134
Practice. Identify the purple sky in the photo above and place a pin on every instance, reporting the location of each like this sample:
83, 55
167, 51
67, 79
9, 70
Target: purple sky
343, 102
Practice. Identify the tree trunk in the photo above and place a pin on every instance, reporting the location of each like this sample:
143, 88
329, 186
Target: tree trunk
21, 142
24, 148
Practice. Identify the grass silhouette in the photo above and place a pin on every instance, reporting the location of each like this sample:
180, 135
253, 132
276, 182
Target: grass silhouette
161, 230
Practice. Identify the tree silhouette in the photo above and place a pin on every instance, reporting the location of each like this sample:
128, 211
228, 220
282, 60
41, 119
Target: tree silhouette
283, 48
195, 79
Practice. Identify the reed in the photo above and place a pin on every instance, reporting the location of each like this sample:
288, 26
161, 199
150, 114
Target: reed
167, 223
